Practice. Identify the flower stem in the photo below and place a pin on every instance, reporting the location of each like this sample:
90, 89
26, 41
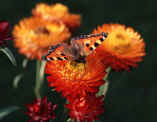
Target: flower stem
107, 73
104, 88
40, 66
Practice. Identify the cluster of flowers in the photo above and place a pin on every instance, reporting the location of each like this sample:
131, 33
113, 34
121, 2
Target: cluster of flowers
49, 25
78, 82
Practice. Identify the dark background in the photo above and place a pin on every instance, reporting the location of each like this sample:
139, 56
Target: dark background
132, 96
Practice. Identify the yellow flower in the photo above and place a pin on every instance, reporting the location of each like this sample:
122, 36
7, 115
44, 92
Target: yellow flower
123, 47
33, 36
57, 12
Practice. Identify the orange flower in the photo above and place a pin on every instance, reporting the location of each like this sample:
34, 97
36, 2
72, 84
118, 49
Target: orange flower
75, 79
122, 49
57, 12
86, 109
33, 36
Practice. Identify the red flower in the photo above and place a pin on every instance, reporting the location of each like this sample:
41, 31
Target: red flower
4, 29
86, 109
74, 79
41, 110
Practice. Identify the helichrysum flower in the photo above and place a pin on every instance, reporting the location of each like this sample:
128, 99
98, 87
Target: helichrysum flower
4, 30
33, 36
40, 110
57, 12
86, 109
75, 79
122, 49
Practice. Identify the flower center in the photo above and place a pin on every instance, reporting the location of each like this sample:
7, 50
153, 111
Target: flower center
119, 42
73, 70
42, 30
55, 28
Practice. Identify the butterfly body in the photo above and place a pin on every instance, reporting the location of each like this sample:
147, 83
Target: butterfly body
79, 48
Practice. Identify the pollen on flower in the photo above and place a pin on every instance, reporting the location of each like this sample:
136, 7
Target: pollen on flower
40, 110
33, 36
73, 79
58, 12
123, 47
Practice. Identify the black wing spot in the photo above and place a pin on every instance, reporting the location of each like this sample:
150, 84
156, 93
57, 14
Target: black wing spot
96, 44
101, 39
87, 45
51, 58
65, 58
105, 34
91, 48
58, 58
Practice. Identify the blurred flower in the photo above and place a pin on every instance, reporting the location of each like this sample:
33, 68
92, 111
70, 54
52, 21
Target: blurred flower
40, 110
86, 109
75, 79
57, 12
122, 49
4, 30
33, 36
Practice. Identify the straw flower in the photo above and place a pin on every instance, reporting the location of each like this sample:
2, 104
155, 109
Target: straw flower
4, 30
57, 12
33, 36
122, 49
40, 110
74, 79
86, 109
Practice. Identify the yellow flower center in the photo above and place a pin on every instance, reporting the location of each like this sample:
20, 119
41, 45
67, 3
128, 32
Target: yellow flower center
73, 70
42, 30
55, 28
119, 41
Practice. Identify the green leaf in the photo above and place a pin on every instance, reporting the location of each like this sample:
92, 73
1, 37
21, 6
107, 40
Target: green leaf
6, 111
9, 55
16, 80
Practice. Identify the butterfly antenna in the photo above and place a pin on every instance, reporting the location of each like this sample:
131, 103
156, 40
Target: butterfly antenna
90, 35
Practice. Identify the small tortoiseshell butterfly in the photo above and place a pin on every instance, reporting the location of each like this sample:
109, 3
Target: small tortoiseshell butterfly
79, 48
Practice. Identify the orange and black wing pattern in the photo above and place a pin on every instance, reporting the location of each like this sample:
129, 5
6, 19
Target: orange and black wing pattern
55, 53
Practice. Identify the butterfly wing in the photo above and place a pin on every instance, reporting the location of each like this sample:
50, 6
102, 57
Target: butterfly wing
86, 44
56, 53
79, 48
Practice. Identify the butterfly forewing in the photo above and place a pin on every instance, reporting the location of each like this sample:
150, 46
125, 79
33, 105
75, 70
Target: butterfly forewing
57, 54
89, 43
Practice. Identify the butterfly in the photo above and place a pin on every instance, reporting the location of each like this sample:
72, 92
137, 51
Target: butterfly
79, 48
